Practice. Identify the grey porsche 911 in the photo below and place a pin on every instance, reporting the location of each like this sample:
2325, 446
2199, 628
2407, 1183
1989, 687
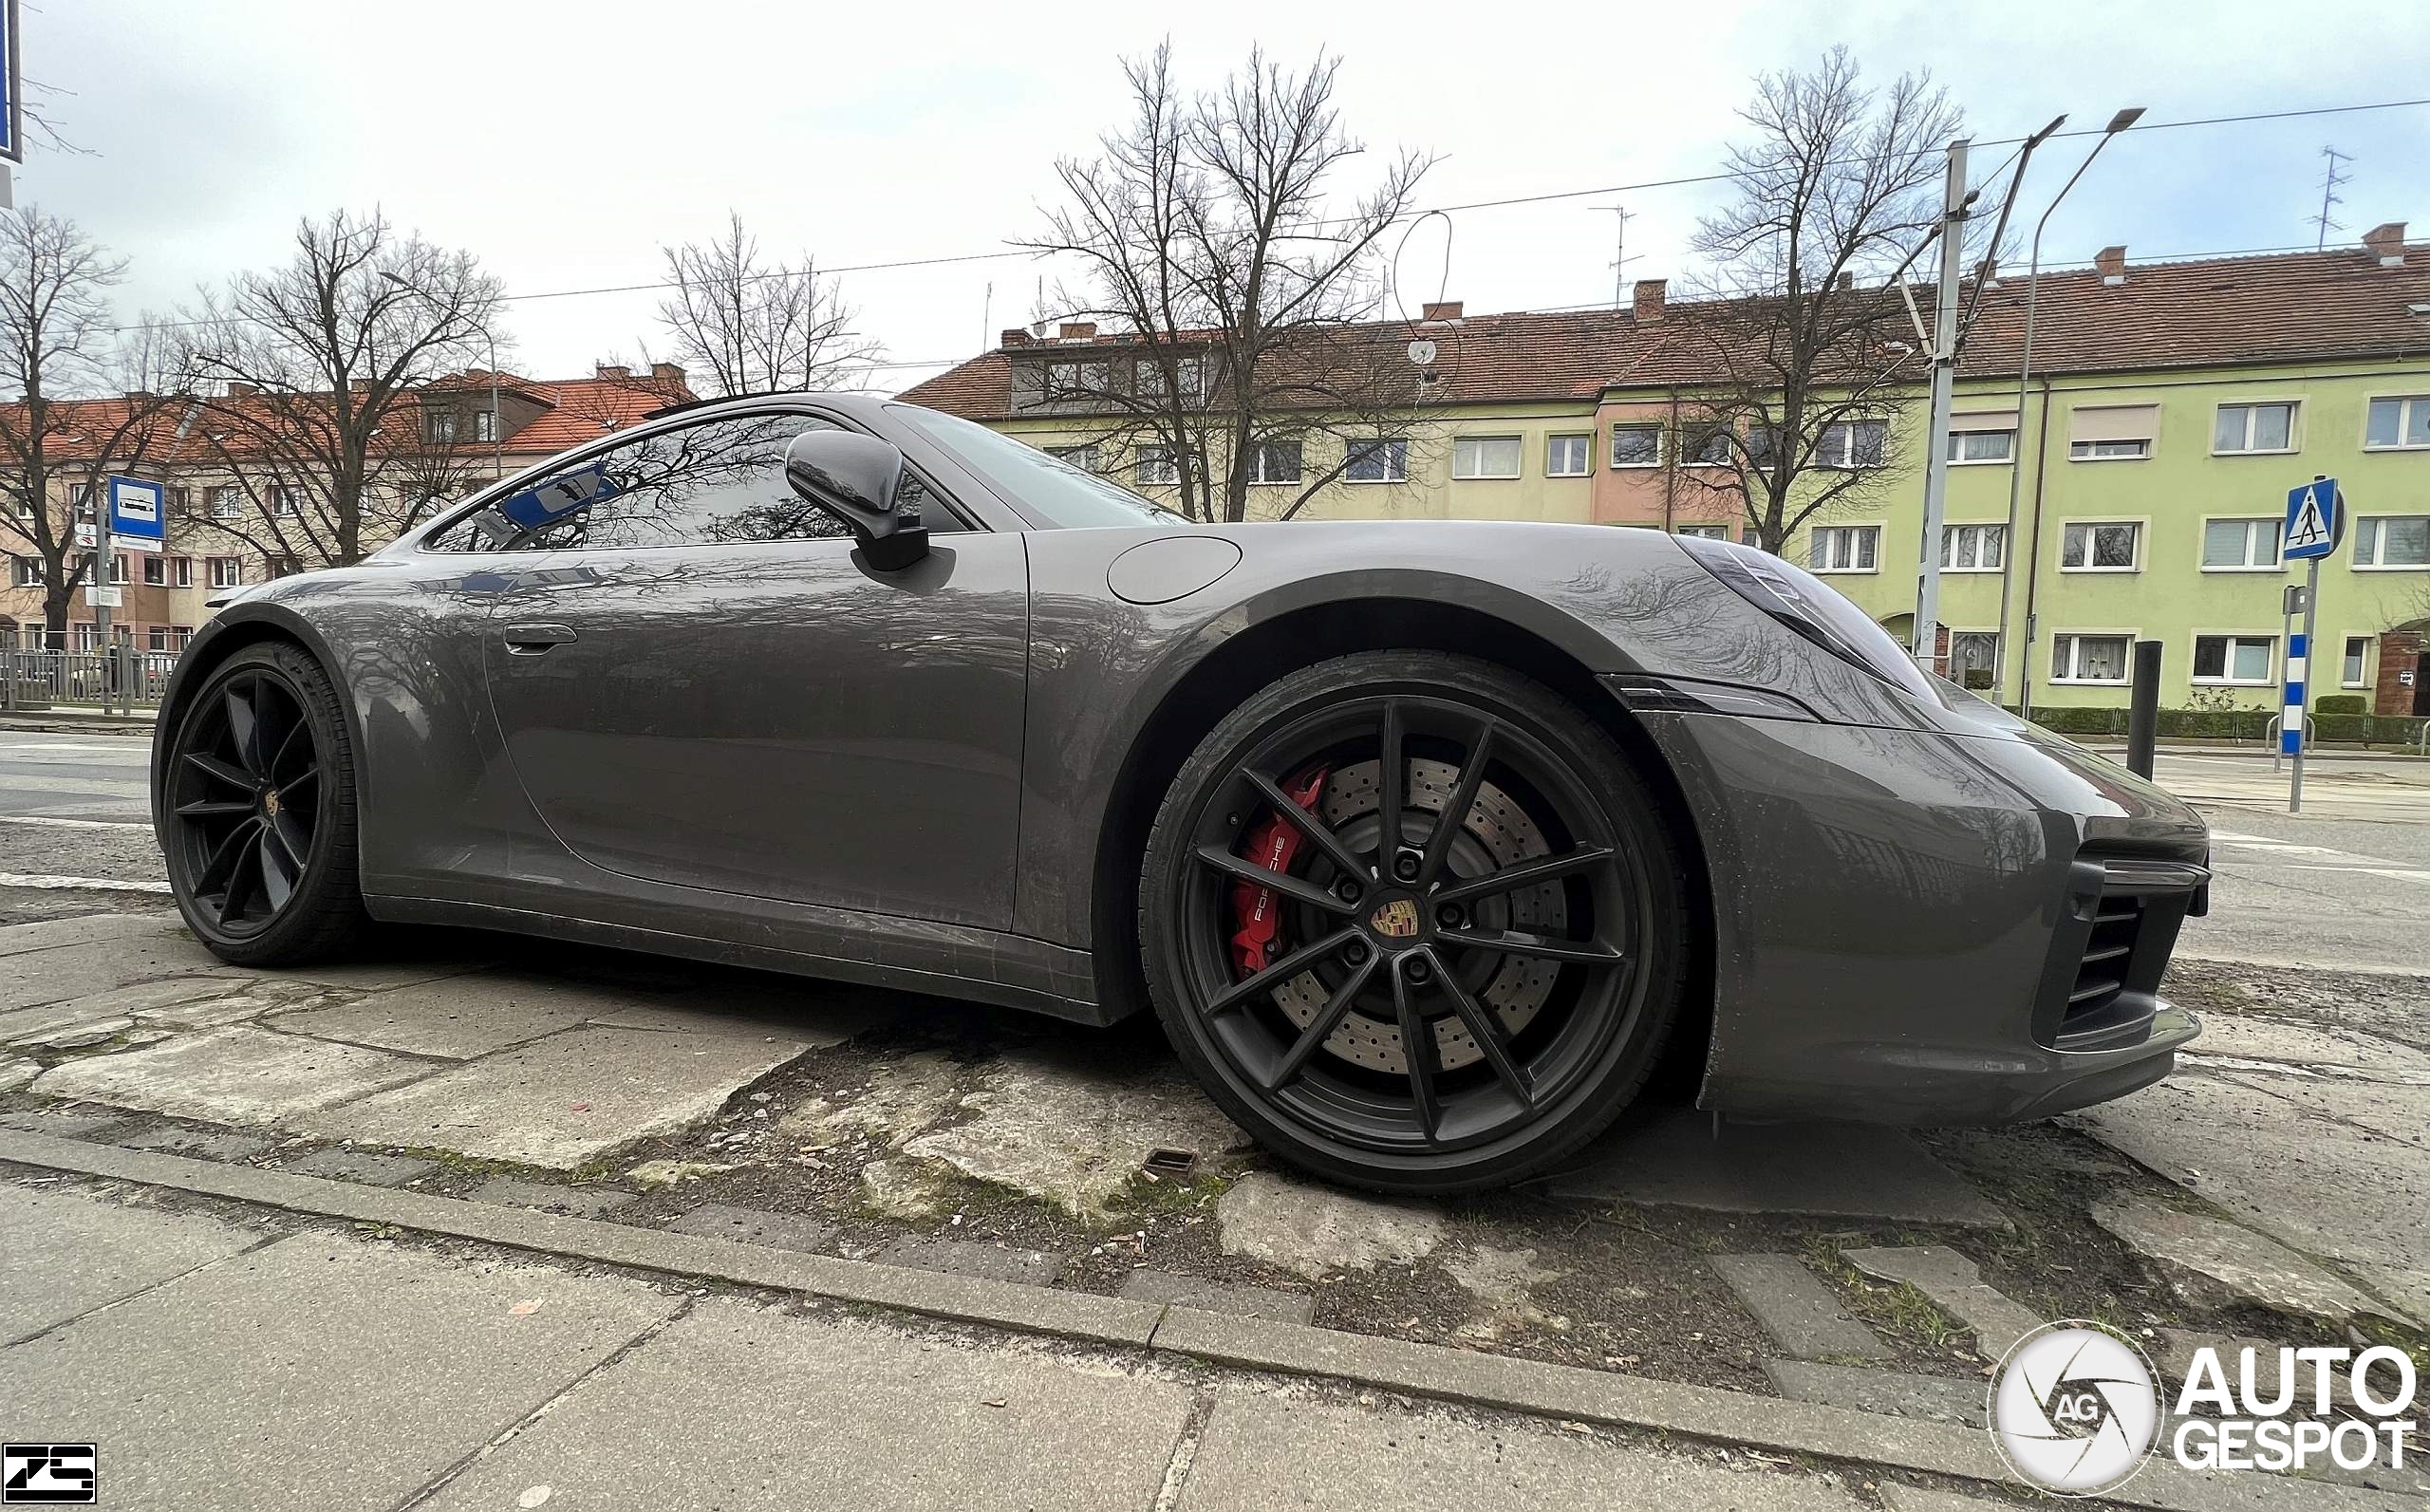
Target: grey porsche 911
1424, 841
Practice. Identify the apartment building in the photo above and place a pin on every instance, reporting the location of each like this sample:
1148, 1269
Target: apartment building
2170, 408
226, 526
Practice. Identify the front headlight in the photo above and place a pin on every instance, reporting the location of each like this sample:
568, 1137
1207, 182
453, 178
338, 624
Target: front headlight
1811, 607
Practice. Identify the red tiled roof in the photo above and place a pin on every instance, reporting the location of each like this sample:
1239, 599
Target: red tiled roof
2216, 312
583, 409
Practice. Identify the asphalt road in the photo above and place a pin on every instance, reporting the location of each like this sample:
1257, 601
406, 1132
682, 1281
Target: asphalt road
2343, 885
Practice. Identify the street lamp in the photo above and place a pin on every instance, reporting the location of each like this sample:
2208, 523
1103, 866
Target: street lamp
498, 416
2016, 448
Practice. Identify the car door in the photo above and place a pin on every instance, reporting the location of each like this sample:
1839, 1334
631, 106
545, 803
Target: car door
699, 682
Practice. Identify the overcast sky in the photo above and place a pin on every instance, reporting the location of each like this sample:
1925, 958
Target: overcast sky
563, 142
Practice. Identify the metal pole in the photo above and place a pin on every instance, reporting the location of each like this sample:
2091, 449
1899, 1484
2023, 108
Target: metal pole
2143, 709
99, 588
2287, 604
2298, 668
1953, 253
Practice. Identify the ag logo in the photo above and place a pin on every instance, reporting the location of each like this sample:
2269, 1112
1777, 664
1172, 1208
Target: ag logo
2075, 1409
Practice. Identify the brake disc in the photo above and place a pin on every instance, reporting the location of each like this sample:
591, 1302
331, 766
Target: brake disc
1497, 833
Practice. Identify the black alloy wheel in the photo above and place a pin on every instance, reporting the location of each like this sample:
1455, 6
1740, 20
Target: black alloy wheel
1476, 944
256, 811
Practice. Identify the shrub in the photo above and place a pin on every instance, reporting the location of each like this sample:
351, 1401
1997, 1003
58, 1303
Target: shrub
2340, 704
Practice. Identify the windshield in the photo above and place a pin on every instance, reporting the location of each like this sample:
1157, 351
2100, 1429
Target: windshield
1055, 491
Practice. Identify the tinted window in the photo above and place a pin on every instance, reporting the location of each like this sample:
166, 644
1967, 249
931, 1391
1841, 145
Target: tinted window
1058, 492
721, 483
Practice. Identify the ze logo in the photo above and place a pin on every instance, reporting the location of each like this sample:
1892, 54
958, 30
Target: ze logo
48, 1475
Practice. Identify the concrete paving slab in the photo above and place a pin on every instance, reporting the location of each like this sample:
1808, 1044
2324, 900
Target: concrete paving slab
2317, 1186
50, 934
1899, 1498
1895, 1393
15, 1072
2213, 1263
63, 1125
250, 1384
146, 998
955, 1257
201, 1144
1830, 1170
1956, 1285
1266, 1451
456, 1018
2400, 1111
564, 1100
62, 1253
1169, 1290
2401, 1286
379, 976
749, 1226
835, 1413
1312, 1230
66, 973
77, 1035
2259, 1037
238, 1075
822, 1014
576, 1201
365, 1166
1802, 1316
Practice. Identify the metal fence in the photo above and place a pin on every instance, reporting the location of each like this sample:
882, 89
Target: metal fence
33, 681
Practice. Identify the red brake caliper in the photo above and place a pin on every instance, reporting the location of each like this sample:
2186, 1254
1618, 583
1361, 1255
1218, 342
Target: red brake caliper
1271, 845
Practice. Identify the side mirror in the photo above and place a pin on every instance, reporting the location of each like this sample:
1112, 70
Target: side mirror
858, 479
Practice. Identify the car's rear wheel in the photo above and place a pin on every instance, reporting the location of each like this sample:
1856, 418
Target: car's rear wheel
1414, 921
257, 820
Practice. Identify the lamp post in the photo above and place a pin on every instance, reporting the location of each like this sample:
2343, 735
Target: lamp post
498, 416
2016, 448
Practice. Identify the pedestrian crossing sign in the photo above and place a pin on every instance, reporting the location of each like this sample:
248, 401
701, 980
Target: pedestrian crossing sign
2312, 523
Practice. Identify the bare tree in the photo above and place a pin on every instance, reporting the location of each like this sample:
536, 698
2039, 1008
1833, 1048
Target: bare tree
749, 327
58, 443
310, 385
1215, 248
1801, 334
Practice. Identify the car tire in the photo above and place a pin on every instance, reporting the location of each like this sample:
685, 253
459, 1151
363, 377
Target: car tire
258, 813
1535, 1009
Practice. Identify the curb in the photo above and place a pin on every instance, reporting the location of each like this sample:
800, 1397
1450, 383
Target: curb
1737, 1419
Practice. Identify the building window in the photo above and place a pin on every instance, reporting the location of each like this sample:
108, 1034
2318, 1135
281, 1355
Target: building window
181, 571
1973, 658
121, 570
1709, 447
1275, 462
1481, 456
2357, 651
79, 500
438, 426
227, 501
1068, 381
1973, 548
282, 566
2088, 659
1569, 455
1084, 458
88, 636
2241, 659
1852, 444
485, 426
2121, 451
1637, 446
155, 569
1385, 459
1844, 549
180, 502
2111, 433
28, 572
2254, 428
1148, 374
1154, 466
2099, 548
226, 572
284, 503
2400, 422
2392, 540
2240, 546
157, 639
1703, 532
1967, 447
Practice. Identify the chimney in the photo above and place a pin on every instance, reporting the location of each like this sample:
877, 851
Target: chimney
1989, 275
139, 395
2386, 242
2112, 263
361, 385
666, 373
1848, 281
607, 370
1014, 336
236, 390
1444, 310
1078, 330
1651, 294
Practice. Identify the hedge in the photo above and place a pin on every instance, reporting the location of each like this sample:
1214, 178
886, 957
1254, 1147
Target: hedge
2340, 704
2235, 724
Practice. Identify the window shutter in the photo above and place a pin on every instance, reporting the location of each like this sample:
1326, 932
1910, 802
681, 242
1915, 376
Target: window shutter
2114, 422
1989, 420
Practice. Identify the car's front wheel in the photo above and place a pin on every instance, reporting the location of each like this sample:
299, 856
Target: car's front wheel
257, 821
1414, 920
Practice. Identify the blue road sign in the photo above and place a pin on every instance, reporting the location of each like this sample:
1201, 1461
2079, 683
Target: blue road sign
138, 519
2312, 524
13, 108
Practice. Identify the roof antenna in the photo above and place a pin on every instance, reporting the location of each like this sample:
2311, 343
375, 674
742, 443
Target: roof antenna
2330, 183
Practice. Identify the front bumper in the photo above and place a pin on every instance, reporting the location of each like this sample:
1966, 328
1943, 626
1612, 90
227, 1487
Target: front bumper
1918, 927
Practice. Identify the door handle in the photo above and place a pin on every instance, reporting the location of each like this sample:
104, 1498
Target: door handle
531, 640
